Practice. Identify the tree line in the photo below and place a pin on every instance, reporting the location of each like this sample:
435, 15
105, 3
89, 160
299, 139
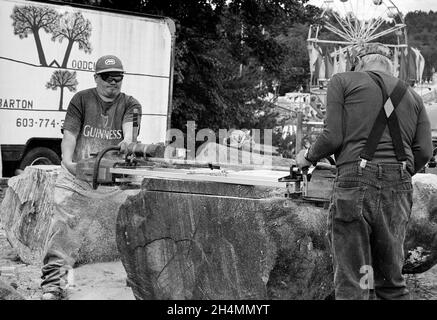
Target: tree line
422, 34
229, 55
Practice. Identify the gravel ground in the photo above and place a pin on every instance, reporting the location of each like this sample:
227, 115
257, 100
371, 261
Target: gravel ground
99, 281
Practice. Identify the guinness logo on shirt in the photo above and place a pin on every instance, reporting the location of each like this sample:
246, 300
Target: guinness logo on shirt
91, 132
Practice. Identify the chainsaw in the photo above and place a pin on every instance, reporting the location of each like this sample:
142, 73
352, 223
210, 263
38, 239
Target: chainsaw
146, 160
97, 169
140, 162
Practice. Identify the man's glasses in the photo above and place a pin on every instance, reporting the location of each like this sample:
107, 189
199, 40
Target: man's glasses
109, 78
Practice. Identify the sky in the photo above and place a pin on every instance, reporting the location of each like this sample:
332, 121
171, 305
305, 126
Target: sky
403, 5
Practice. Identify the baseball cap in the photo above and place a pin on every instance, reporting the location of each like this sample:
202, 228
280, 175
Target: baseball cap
374, 48
109, 63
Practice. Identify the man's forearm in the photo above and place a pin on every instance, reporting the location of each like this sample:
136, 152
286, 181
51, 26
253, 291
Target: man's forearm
331, 138
422, 156
127, 132
325, 145
68, 146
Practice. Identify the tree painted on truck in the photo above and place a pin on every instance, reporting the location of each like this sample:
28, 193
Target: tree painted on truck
76, 29
30, 19
62, 79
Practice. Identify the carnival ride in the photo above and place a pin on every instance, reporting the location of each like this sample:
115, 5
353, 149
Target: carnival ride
344, 26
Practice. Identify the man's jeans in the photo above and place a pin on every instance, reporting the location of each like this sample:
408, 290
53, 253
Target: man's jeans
62, 243
75, 206
367, 222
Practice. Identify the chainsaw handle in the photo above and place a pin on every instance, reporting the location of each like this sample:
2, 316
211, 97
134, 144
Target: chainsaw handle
97, 163
135, 126
307, 172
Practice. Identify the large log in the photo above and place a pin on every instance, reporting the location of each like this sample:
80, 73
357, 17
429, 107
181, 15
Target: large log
202, 240
27, 213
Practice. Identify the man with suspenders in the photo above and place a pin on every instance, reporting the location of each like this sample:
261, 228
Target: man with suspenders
379, 131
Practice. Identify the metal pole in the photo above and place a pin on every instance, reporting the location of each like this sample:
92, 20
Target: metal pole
299, 131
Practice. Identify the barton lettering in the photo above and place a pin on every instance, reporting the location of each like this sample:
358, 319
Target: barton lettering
16, 103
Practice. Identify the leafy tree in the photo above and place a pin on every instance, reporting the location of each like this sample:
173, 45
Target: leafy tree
294, 70
228, 54
421, 34
30, 19
76, 29
62, 79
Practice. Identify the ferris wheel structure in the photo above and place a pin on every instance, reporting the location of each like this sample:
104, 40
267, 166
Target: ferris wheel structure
345, 25
351, 23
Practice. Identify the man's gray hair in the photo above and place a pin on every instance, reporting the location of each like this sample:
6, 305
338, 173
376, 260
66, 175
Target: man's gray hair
368, 61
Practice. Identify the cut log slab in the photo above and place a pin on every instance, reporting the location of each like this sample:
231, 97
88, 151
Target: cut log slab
27, 212
214, 152
203, 240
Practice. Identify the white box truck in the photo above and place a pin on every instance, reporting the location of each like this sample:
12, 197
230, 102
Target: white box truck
48, 53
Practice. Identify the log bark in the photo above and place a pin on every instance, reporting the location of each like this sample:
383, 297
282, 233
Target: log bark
3, 187
27, 213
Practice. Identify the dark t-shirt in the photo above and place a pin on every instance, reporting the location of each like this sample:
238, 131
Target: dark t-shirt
354, 101
98, 124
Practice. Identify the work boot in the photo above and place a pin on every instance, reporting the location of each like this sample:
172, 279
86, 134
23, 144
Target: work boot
54, 295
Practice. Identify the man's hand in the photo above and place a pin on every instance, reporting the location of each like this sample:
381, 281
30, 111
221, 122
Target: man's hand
123, 145
301, 161
70, 166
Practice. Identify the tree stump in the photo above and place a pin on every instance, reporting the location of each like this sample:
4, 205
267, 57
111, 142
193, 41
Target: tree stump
27, 212
203, 240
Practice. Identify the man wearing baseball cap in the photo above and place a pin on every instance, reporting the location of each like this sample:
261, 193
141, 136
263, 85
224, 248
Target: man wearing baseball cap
379, 131
96, 118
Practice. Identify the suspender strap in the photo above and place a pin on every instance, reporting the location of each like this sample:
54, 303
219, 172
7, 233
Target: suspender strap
387, 116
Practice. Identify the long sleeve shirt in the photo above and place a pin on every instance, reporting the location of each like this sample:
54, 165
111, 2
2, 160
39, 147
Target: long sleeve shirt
353, 103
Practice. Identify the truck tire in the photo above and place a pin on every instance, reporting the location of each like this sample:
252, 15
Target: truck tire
40, 155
